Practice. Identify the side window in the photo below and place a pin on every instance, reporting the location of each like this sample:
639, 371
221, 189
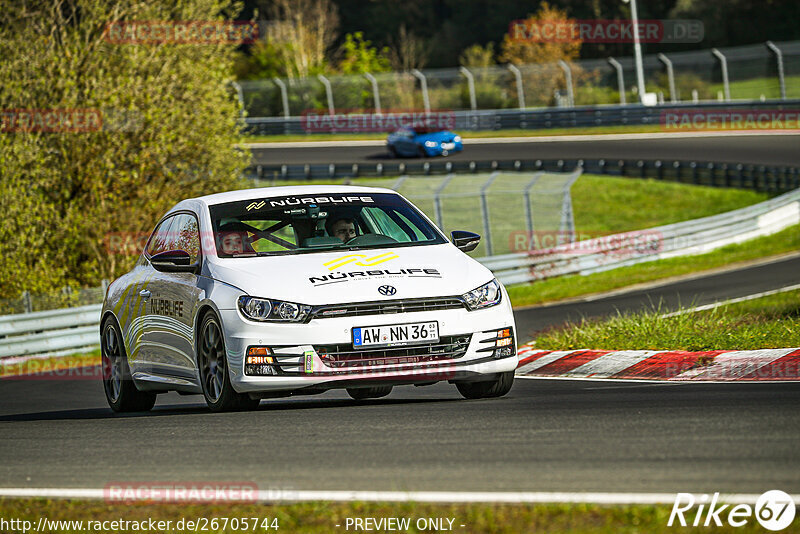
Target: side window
186, 235
178, 232
160, 240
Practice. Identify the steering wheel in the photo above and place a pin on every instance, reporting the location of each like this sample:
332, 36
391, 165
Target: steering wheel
371, 239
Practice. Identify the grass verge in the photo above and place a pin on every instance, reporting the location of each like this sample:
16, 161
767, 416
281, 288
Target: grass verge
312, 517
764, 323
554, 289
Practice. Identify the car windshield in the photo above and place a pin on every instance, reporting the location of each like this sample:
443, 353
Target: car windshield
318, 222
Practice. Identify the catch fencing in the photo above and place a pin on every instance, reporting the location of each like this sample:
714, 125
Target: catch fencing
768, 71
621, 250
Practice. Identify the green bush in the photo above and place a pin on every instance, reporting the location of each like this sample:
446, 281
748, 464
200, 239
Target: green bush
169, 130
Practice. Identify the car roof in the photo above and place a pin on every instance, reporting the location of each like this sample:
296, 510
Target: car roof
266, 192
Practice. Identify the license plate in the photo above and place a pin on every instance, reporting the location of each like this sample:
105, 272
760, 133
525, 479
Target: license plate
448, 146
395, 334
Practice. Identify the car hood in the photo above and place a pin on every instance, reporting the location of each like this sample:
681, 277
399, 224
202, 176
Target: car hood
354, 276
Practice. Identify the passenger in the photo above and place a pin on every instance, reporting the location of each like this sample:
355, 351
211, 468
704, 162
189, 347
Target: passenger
232, 243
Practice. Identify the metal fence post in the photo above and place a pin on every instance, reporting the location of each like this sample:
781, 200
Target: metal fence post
424, 86
620, 79
26, 301
284, 96
567, 216
779, 58
670, 76
487, 229
376, 97
528, 213
328, 92
568, 75
723, 63
473, 102
437, 201
520, 90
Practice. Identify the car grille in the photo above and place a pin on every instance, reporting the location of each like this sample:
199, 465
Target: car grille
344, 359
386, 307
343, 355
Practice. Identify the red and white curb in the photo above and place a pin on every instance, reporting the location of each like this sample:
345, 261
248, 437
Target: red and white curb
716, 366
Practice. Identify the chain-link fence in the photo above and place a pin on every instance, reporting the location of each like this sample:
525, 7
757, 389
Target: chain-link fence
752, 72
513, 211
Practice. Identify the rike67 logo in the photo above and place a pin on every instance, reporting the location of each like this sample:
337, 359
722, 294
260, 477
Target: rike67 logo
774, 510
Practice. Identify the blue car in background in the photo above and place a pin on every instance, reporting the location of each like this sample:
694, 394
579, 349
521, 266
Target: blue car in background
423, 142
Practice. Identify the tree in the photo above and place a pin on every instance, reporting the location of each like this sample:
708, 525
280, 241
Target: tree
302, 32
359, 56
164, 127
522, 50
478, 56
408, 51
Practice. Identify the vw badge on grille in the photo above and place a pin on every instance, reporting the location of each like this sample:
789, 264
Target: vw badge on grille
387, 290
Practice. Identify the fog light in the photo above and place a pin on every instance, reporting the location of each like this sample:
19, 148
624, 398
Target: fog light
259, 356
504, 352
504, 342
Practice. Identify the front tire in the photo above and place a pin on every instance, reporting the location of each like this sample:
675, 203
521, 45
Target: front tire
121, 392
214, 375
482, 390
369, 393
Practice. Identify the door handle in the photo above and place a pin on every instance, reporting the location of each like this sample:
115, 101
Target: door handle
144, 293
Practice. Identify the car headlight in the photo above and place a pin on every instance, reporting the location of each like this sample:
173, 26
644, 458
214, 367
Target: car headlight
457, 139
258, 309
487, 295
431, 144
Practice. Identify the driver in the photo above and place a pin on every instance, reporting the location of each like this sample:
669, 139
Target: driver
342, 228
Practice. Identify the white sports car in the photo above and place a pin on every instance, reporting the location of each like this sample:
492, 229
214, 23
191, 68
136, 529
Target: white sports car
282, 291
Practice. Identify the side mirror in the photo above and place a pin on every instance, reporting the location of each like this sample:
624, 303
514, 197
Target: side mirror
465, 241
174, 261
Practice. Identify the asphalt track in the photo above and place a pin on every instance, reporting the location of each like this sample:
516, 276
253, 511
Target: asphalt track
545, 435
757, 149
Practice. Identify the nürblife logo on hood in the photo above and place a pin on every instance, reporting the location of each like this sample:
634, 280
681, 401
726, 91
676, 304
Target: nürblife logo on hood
361, 260
365, 261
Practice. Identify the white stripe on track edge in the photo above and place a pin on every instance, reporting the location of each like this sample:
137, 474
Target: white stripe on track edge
417, 496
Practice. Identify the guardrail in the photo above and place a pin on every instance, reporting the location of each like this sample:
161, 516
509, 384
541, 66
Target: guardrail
533, 119
620, 250
776, 179
52, 332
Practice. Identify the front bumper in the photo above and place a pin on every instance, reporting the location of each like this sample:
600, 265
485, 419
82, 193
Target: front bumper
302, 350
